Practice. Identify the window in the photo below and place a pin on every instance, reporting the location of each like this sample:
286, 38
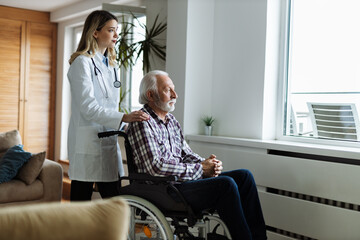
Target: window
137, 70
131, 76
322, 65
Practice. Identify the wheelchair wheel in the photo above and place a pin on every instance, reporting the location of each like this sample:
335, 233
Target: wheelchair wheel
146, 221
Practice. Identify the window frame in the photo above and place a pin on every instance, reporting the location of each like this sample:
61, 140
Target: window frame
76, 30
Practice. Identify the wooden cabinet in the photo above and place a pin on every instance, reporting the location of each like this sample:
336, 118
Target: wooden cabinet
10, 77
27, 79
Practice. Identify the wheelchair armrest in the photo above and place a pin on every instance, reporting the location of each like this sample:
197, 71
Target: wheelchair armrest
148, 177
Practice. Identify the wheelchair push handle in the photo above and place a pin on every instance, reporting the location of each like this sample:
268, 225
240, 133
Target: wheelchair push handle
111, 133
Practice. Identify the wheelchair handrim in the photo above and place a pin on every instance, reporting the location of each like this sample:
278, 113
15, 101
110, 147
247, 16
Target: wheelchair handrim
154, 212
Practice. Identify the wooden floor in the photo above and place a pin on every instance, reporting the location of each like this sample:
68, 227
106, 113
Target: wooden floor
66, 181
66, 189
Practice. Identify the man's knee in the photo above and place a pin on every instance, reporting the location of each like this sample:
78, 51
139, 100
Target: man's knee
228, 195
227, 183
245, 175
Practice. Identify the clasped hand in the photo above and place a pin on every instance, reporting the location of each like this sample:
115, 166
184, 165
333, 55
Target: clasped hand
212, 167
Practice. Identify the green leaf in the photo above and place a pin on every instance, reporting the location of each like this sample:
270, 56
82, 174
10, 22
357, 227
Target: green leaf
208, 120
128, 51
122, 98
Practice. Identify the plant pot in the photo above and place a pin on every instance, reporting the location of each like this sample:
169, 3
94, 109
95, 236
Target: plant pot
208, 130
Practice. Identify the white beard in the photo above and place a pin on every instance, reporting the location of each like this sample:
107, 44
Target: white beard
165, 106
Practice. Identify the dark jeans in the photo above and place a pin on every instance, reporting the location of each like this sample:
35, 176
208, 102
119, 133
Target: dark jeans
234, 196
82, 191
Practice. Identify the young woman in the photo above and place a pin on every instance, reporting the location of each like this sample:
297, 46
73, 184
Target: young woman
94, 108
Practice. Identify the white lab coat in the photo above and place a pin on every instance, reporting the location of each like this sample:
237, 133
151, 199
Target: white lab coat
91, 158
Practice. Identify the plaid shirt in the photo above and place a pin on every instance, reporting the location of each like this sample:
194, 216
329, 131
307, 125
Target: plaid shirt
159, 148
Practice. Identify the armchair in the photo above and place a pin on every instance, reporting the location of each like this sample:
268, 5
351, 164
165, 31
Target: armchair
91, 220
46, 185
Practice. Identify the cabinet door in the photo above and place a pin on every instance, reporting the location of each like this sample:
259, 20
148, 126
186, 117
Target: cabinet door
40, 88
12, 44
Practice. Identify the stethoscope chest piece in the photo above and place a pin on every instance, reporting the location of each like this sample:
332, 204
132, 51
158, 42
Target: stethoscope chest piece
117, 83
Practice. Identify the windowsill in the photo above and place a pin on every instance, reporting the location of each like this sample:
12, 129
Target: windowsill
281, 145
63, 161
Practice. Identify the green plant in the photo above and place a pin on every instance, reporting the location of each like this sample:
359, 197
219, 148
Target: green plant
150, 44
121, 102
124, 47
208, 120
128, 51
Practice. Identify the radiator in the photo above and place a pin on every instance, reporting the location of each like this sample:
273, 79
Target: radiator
303, 196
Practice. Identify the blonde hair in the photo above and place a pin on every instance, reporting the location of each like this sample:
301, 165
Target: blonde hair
88, 44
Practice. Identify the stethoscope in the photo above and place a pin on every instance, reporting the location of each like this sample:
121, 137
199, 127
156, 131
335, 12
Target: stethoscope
117, 83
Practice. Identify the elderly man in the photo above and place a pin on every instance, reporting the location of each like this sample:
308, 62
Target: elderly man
159, 149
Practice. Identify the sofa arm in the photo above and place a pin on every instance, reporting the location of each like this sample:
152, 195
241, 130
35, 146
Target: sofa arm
91, 220
51, 176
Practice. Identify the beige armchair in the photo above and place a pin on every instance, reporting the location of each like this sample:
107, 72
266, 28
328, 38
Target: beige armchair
91, 220
46, 184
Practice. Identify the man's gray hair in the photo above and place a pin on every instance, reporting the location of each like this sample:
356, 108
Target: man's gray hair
149, 83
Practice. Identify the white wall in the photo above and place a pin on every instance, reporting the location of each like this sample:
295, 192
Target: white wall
176, 52
199, 64
222, 72
156, 8
190, 59
239, 47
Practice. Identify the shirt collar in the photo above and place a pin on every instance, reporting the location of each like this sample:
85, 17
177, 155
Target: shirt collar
155, 116
105, 60
101, 58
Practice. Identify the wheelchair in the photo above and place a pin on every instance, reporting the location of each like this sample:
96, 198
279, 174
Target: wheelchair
159, 210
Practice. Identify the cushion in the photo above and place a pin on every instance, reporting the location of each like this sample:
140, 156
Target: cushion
90, 220
9, 139
31, 169
12, 161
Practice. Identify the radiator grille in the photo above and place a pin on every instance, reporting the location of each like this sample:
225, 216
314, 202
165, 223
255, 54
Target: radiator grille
325, 201
288, 234
310, 198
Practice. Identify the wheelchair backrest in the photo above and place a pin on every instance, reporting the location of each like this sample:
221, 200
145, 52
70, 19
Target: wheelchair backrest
129, 155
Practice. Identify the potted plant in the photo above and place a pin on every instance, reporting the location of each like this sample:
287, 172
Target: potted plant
208, 121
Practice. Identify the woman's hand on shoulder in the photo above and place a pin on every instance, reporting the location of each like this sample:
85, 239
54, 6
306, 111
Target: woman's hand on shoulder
136, 116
